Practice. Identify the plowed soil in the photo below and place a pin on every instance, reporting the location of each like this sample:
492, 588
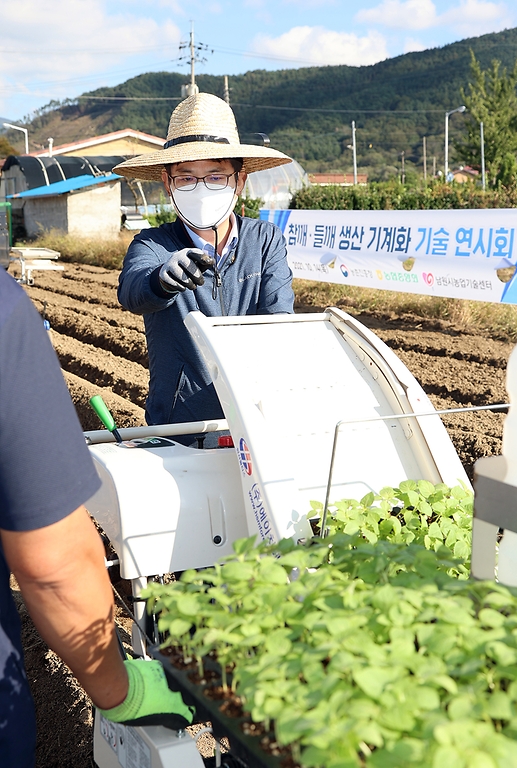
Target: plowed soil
102, 351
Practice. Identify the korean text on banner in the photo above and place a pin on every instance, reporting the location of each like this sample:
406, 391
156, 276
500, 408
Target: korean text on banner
456, 254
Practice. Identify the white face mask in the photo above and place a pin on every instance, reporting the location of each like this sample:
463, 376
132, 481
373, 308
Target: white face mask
203, 208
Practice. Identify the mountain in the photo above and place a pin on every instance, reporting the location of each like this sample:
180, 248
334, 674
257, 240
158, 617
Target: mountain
308, 112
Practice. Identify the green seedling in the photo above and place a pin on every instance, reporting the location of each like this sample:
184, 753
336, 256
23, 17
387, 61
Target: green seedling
377, 655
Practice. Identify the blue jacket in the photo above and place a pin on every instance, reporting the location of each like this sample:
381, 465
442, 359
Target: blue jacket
255, 279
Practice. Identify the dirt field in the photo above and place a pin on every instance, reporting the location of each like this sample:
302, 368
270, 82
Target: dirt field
102, 351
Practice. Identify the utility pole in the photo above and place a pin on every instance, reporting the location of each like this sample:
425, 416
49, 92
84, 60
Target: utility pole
226, 95
354, 151
482, 140
190, 89
463, 108
425, 158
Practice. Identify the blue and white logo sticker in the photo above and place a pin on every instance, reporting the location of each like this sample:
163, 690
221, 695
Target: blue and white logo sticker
245, 457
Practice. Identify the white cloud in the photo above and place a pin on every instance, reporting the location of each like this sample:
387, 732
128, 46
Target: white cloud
469, 17
320, 47
58, 53
476, 17
172, 5
310, 3
408, 14
411, 45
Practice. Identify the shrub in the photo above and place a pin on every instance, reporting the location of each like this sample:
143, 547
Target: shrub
397, 197
162, 215
249, 206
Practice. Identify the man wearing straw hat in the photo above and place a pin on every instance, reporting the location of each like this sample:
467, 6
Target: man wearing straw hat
209, 259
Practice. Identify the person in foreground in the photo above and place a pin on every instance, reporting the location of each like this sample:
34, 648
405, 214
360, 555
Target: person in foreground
209, 259
49, 543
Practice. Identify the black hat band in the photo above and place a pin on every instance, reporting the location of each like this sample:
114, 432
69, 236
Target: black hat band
197, 137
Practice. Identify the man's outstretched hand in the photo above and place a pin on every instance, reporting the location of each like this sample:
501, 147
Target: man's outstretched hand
149, 700
184, 269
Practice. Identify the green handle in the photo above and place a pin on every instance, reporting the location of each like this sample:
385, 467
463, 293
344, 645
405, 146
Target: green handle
101, 409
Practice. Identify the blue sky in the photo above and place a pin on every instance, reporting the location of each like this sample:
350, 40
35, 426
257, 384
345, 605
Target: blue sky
61, 48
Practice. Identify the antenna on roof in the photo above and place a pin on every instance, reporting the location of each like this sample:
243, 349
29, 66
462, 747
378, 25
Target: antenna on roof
193, 56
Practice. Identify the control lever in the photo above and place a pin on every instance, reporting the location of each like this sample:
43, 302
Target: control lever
101, 409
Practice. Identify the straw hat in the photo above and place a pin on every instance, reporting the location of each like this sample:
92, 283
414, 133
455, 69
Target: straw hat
201, 128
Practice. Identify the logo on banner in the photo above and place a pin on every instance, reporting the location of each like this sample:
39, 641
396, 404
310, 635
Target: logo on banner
245, 457
379, 274
344, 270
428, 278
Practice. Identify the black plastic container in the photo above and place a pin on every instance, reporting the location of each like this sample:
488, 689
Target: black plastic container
244, 747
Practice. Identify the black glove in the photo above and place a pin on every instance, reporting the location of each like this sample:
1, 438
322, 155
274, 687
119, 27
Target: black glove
184, 269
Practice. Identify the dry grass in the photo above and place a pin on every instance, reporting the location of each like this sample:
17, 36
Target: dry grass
99, 252
496, 320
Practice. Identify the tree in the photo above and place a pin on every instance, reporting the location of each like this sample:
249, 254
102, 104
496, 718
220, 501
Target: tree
492, 100
6, 149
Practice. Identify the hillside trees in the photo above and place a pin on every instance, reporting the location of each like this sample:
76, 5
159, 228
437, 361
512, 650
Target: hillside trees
492, 100
307, 112
6, 148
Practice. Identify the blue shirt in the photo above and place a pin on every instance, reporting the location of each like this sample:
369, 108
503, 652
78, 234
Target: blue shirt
255, 280
45, 474
231, 243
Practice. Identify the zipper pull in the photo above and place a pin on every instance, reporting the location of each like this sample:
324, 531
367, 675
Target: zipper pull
217, 282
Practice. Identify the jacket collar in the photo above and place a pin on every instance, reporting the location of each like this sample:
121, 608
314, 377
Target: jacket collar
180, 231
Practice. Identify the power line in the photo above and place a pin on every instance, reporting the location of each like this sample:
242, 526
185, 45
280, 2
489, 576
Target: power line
86, 78
125, 98
232, 51
264, 106
316, 109
66, 51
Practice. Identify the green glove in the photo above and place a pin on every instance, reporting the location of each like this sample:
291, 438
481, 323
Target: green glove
149, 700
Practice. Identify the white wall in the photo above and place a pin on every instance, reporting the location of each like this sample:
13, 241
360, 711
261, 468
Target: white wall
91, 212
95, 211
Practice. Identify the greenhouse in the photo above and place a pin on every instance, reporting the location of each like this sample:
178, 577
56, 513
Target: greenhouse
276, 186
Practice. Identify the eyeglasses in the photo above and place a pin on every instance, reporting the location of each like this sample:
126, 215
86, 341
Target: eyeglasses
214, 181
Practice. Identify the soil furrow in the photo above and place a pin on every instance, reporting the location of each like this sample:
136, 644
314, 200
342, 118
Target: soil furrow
117, 317
469, 349
123, 342
127, 379
125, 413
94, 285
456, 381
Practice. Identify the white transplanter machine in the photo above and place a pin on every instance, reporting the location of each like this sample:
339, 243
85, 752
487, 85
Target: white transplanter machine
318, 408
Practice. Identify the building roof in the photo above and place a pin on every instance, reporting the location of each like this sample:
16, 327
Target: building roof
87, 144
466, 170
42, 171
67, 185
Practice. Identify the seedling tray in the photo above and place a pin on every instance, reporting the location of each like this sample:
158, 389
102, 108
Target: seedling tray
246, 748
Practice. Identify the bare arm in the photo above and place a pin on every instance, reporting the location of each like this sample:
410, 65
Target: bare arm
61, 573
